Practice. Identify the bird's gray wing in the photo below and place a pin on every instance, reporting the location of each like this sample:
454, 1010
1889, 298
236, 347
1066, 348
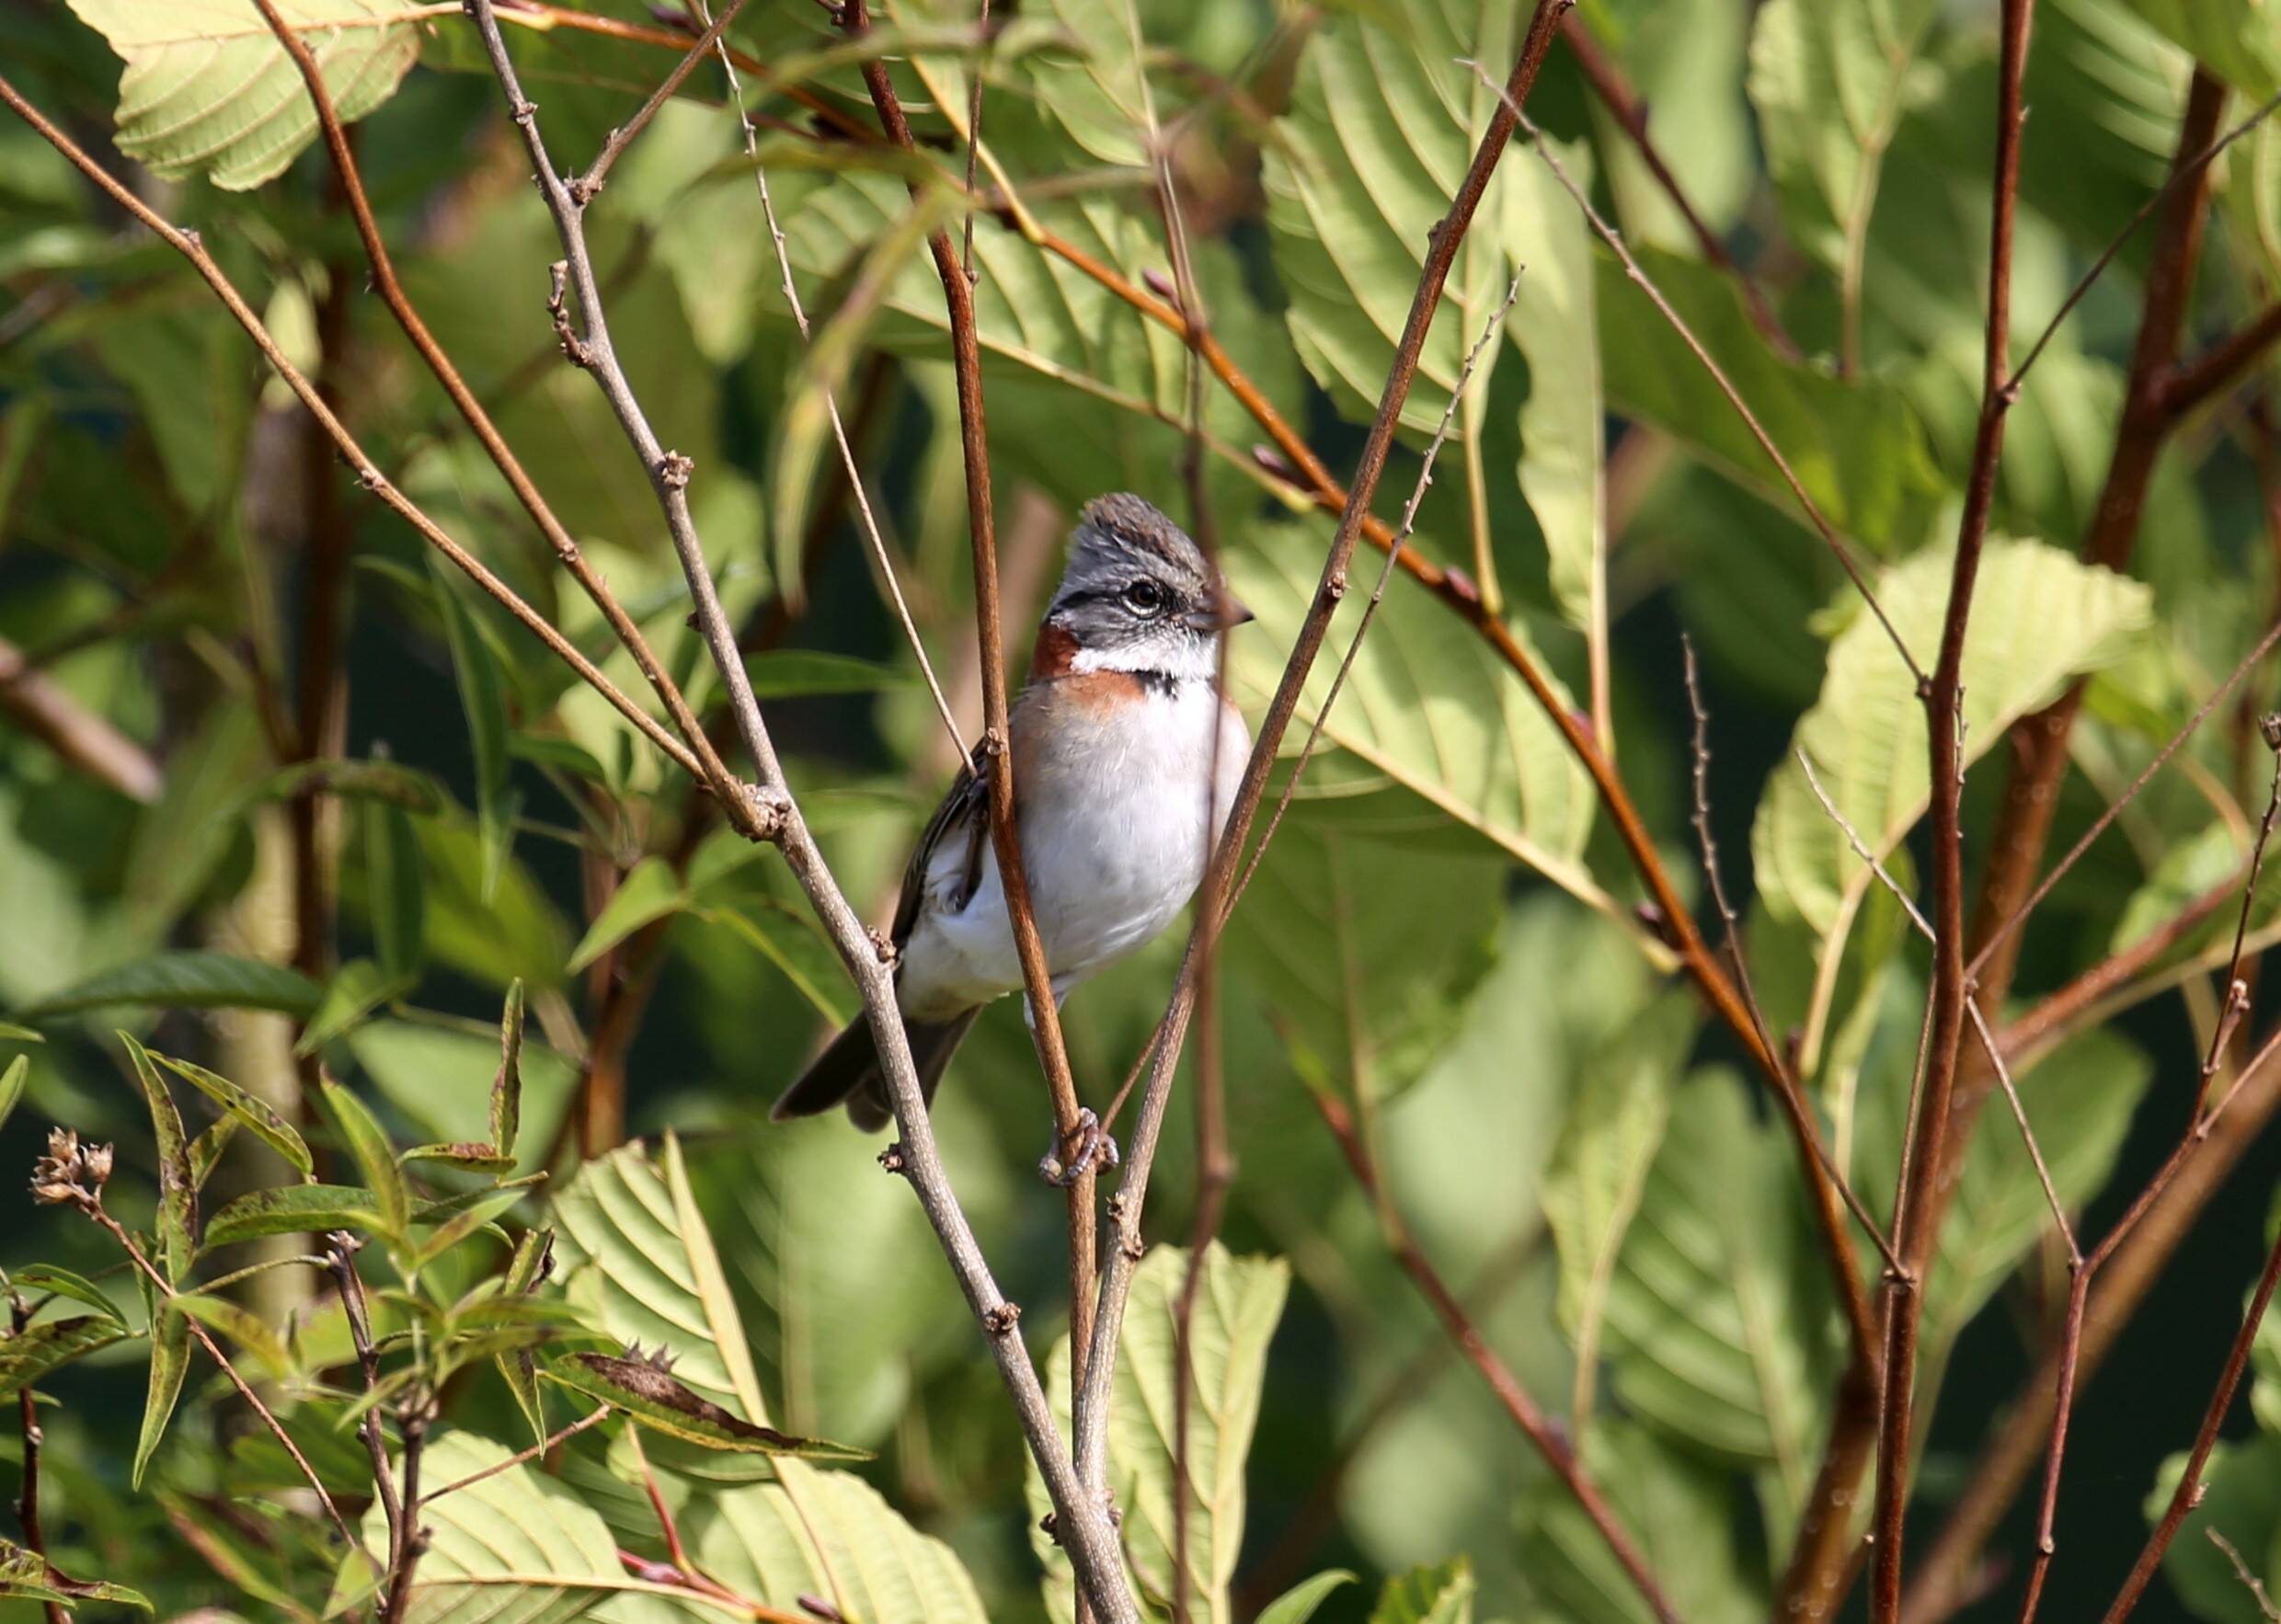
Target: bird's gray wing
956, 831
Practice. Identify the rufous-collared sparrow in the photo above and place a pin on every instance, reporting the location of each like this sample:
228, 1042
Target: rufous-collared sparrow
1122, 738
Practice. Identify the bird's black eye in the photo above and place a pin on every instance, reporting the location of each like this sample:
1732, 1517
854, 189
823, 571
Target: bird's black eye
1144, 597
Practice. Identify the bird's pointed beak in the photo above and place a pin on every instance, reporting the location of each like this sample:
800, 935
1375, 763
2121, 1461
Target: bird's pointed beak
1225, 610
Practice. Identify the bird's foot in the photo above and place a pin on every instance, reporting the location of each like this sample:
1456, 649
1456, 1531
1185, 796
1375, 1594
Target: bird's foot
1094, 1147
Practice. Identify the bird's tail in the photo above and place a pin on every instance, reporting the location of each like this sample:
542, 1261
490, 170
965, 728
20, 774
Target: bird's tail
848, 1071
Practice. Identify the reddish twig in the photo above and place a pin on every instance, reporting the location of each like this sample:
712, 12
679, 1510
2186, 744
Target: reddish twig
28, 1496
1541, 1434
597, 175
39, 705
560, 1435
1623, 104
2188, 1493
1915, 1219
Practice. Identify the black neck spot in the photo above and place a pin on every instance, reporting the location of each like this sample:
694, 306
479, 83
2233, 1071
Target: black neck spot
1163, 682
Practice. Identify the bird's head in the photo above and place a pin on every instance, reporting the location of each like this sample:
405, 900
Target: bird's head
1138, 596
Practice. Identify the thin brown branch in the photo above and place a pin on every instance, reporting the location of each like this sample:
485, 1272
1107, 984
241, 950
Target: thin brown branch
1083, 1522
2198, 1122
341, 1249
37, 704
91, 1204
1623, 104
2030, 793
597, 175
28, 1496
2256, 1587
368, 473
1074, 1150
1541, 1434
1915, 1219
2188, 1493
494, 446
2197, 381
1950, 1573
560, 1435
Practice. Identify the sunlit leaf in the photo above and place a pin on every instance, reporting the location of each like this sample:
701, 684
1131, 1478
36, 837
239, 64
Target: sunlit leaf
209, 90
374, 1157
544, 1553
1427, 704
2039, 617
12, 1085
764, 1543
1238, 1303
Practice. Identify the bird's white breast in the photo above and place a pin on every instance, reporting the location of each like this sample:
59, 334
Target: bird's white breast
1112, 775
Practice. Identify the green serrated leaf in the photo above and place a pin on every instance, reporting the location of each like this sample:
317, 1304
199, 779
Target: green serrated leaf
507, 1086
1600, 1168
651, 1396
541, 1546
2040, 617
209, 90
187, 980
63, 1283
1238, 1304
267, 1125
29, 1356
1430, 707
178, 1191
625, 1264
375, 1159
295, 1210
1713, 1324
25, 1576
762, 1543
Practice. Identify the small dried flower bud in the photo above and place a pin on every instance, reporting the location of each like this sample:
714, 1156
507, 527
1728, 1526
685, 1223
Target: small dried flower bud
2270, 725
97, 1159
63, 1173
